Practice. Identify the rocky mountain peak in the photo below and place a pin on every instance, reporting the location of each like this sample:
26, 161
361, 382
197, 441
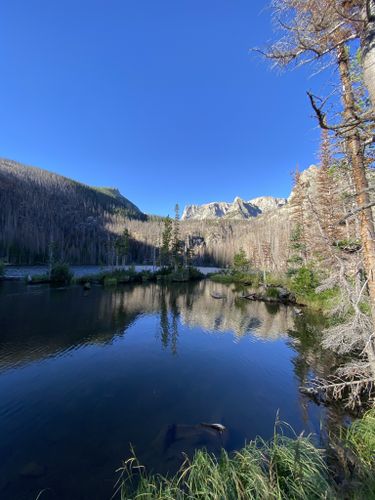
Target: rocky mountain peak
239, 209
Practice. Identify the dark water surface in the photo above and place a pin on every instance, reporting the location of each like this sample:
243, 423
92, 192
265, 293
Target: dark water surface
85, 374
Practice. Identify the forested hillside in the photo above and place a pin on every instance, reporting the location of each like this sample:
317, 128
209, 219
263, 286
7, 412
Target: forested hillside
43, 213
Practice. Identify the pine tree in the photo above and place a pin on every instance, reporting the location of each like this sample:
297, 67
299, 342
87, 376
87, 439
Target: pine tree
122, 246
241, 263
176, 243
165, 254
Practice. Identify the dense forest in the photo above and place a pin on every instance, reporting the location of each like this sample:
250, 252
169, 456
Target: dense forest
42, 213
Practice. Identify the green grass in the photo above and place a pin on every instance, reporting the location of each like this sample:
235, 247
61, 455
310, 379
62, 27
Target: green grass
40, 278
109, 281
236, 278
272, 292
284, 468
361, 438
131, 276
322, 301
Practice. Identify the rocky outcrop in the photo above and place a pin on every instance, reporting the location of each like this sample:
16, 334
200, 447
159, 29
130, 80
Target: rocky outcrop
239, 209
267, 203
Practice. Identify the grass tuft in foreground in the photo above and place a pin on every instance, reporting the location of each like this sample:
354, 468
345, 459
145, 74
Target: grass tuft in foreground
360, 436
284, 468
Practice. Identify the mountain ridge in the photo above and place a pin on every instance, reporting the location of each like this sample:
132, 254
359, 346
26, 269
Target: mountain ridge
239, 209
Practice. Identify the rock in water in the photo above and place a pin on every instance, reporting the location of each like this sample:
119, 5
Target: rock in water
217, 427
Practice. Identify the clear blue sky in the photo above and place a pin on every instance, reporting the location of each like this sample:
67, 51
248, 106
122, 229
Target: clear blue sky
160, 98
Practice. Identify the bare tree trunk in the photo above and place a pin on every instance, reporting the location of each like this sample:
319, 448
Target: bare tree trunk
368, 50
355, 153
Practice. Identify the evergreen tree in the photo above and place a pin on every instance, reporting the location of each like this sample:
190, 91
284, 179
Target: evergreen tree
240, 262
176, 243
165, 255
122, 246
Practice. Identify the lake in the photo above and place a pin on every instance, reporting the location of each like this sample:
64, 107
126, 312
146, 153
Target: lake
85, 375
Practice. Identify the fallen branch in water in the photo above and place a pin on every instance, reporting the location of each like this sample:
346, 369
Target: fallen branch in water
355, 391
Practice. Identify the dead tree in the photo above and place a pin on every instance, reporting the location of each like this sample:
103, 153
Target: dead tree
317, 30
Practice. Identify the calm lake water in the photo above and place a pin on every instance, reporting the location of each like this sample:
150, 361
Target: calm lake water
84, 375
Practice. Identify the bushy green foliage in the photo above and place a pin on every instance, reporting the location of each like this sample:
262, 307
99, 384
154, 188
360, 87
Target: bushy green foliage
295, 259
130, 275
349, 245
40, 278
241, 264
253, 278
164, 271
304, 281
272, 292
61, 273
284, 468
109, 281
323, 300
180, 274
222, 278
194, 273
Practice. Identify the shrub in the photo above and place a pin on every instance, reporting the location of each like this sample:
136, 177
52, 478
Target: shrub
39, 278
195, 274
110, 281
240, 262
272, 292
164, 271
181, 274
222, 278
304, 282
61, 273
349, 245
253, 279
295, 259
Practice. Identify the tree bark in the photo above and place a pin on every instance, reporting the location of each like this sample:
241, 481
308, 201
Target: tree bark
356, 157
368, 50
